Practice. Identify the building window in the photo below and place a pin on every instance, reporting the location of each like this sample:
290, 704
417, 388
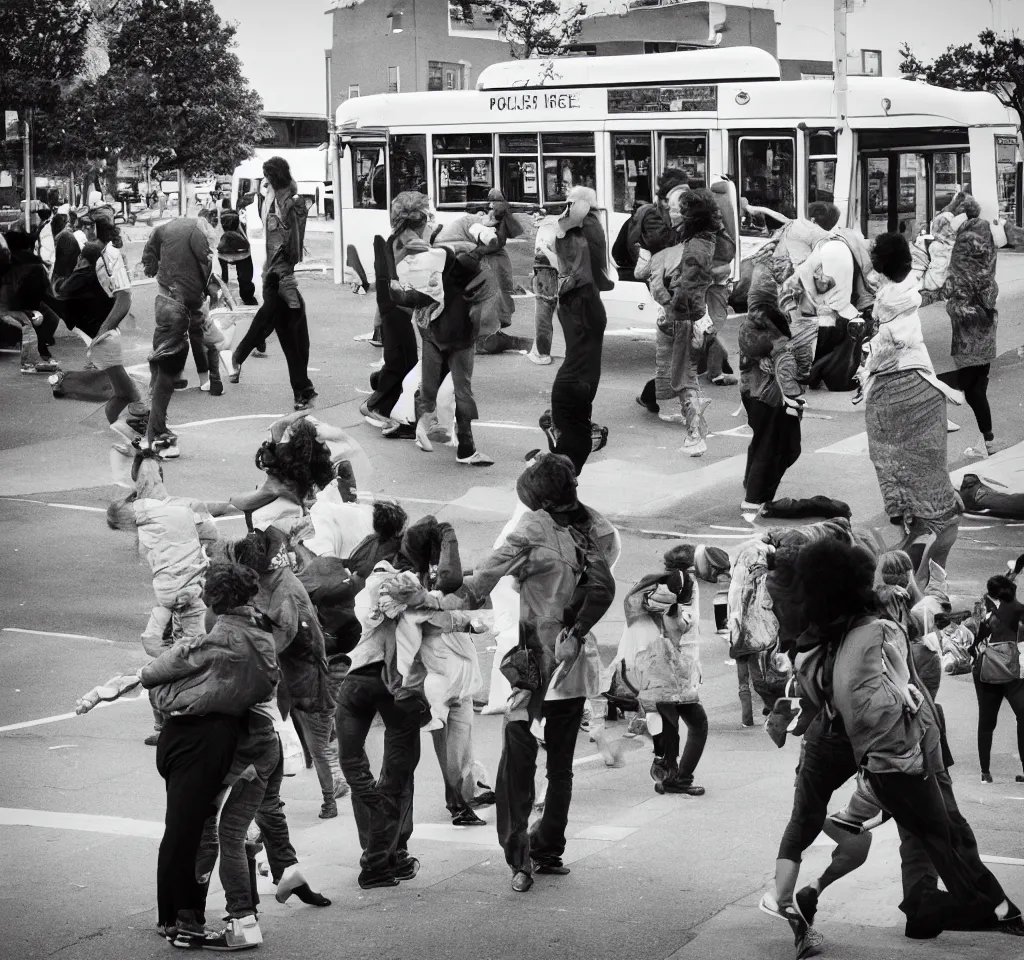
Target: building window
871, 63
408, 163
353, 90
821, 166
393, 82
463, 168
444, 75
1006, 177
369, 179
631, 171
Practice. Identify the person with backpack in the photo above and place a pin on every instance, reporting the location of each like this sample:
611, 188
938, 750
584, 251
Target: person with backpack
283, 310
997, 668
234, 249
649, 228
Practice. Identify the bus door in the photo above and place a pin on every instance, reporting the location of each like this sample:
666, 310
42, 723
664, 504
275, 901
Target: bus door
908, 176
364, 188
686, 151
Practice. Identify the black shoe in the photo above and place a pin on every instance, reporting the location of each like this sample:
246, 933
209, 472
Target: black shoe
181, 384
216, 388
369, 881
305, 401
400, 431
152, 740
522, 881
553, 868
679, 785
466, 818
253, 302
660, 770
485, 799
807, 900
649, 407
407, 868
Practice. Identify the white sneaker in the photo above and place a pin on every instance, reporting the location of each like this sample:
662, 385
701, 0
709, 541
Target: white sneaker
694, 445
225, 355
205, 386
978, 453
747, 505
539, 358
240, 934
952, 427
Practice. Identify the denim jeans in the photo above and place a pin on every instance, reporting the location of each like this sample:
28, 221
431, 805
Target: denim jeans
453, 744
126, 394
163, 373
316, 731
382, 806
545, 286
514, 789
748, 669
273, 825
228, 832
435, 364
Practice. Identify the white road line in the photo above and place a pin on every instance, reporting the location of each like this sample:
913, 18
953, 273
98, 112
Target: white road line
246, 416
675, 535
89, 823
62, 636
1007, 861
59, 506
24, 725
504, 426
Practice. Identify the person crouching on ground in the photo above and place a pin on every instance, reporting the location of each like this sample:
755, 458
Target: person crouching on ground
667, 675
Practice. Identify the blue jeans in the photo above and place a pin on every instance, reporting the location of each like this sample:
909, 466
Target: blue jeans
382, 806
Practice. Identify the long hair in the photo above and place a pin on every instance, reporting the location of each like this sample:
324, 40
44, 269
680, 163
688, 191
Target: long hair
229, 585
700, 213
277, 172
303, 461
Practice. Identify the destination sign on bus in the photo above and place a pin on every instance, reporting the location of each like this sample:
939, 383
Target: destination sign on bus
535, 102
693, 98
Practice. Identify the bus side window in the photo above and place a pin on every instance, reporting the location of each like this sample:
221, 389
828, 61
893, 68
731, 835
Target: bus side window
569, 161
821, 166
369, 180
631, 171
517, 167
766, 178
408, 163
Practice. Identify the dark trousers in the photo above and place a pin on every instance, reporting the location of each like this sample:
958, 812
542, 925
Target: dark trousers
666, 743
748, 673
438, 362
774, 448
990, 699
382, 807
514, 788
243, 269
399, 339
572, 403
163, 372
919, 808
826, 763
46, 329
273, 826
293, 332
206, 356
974, 383
193, 755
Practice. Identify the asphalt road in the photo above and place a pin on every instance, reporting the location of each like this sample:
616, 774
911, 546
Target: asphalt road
653, 877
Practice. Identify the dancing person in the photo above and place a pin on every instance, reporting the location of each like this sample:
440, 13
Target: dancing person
399, 341
284, 309
649, 228
172, 532
770, 390
943, 230
545, 289
581, 248
96, 297
905, 409
971, 294
995, 679
447, 331
896, 735
234, 249
179, 254
560, 554
714, 357
667, 674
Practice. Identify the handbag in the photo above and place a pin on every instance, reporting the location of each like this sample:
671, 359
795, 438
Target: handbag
999, 662
519, 666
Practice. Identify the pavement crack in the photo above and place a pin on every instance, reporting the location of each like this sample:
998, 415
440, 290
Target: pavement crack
74, 943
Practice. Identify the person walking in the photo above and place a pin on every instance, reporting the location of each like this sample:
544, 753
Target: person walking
284, 309
179, 254
581, 248
233, 249
971, 294
997, 668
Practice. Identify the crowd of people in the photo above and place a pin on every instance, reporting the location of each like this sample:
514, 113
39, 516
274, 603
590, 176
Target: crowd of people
331, 613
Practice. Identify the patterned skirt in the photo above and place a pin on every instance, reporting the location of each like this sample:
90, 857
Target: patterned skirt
906, 421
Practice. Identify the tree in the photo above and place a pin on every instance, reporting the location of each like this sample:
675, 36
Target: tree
537, 28
175, 94
44, 45
996, 65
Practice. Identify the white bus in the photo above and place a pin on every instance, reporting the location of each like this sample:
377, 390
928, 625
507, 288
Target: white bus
534, 128
302, 139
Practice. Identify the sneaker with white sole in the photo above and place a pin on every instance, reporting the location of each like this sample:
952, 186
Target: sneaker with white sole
240, 934
476, 459
951, 427
976, 453
671, 418
694, 445
541, 359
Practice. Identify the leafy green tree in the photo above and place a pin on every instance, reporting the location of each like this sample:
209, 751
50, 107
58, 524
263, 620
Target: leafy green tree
175, 93
995, 65
537, 28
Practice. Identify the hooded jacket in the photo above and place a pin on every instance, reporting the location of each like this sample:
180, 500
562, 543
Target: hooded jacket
228, 670
768, 369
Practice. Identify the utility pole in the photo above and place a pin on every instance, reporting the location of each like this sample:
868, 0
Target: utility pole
841, 87
26, 156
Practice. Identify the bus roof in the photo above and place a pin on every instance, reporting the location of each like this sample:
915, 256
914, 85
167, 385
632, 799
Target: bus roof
874, 102
684, 66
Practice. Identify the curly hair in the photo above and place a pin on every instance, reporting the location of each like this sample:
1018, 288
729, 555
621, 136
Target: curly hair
679, 557
303, 461
229, 585
251, 551
1002, 588
837, 581
825, 215
389, 519
409, 209
669, 180
890, 256
277, 172
700, 212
